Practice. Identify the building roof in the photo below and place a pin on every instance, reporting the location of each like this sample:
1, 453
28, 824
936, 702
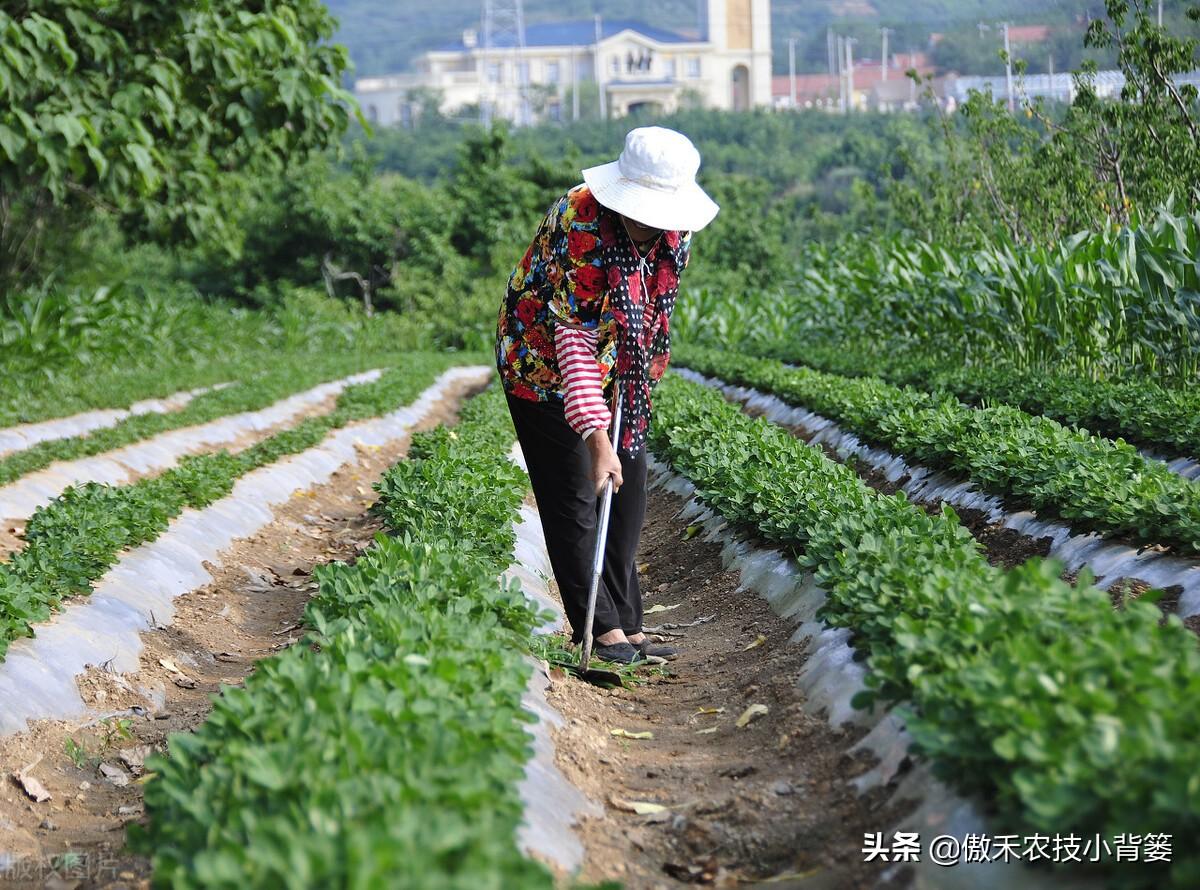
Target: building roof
866, 76
1029, 33
579, 33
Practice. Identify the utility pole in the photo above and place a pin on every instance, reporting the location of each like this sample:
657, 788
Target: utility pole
1160, 13
829, 50
912, 84
599, 68
841, 58
574, 86
884, 57
1053, 90
1008, 68
792, 68
850, 41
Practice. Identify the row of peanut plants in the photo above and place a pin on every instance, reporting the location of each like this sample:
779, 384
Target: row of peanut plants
383, 750
287, 375
73, 540
1063, 713
1161, 418
1093, 483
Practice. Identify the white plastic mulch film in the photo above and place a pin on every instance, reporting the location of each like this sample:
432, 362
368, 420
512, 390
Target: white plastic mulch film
20, 499
37, 677
552, 805
1109, 560
26, 435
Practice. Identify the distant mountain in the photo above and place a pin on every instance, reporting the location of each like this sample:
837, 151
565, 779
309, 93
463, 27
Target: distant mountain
384, 35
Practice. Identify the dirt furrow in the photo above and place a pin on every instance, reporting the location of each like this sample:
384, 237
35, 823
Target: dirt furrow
769, 800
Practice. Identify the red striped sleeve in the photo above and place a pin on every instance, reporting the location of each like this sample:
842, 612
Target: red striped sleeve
650, 322
584, 403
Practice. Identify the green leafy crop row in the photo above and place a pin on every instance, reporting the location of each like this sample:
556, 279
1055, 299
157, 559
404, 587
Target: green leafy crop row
1093, 483
385, 749
76, 538
287, 376
1155, 416
1063, 713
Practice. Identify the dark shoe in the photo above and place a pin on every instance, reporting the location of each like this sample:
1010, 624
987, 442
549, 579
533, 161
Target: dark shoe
654, 650
618, 653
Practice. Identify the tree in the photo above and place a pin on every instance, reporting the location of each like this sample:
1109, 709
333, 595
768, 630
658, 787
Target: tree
1147, 146
140, 107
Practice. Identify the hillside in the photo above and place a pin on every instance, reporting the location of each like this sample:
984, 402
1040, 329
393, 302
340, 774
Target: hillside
384, 36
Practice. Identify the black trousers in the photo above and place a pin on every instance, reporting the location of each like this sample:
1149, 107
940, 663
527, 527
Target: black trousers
560, 471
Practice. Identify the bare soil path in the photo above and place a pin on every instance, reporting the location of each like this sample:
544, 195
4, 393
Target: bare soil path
765, 802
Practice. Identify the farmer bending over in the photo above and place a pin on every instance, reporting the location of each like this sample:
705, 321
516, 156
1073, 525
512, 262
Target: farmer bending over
591, 302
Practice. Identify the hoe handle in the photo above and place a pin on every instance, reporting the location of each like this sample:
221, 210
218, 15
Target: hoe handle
601, 542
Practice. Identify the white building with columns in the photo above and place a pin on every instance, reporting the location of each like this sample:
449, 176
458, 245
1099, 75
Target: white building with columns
617, 66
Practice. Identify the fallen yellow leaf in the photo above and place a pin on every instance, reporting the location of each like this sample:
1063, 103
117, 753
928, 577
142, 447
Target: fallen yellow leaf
710, 710
751, 714
758, 641
708, 731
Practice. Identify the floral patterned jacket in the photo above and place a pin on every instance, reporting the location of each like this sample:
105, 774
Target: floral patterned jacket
563, 280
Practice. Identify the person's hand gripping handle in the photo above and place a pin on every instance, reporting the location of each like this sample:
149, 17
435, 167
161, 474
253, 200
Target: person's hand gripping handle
605, 463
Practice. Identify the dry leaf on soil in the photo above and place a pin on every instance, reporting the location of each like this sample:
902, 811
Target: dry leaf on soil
626, 734
641, 807
758, 641
135, 757
114, 774
31, 786
751, 714
661, 608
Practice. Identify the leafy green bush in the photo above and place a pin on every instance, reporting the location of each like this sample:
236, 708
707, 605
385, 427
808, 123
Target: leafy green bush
142, 107
1109, 303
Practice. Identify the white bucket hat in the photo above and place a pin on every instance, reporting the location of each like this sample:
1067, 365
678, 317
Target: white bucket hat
654, 182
